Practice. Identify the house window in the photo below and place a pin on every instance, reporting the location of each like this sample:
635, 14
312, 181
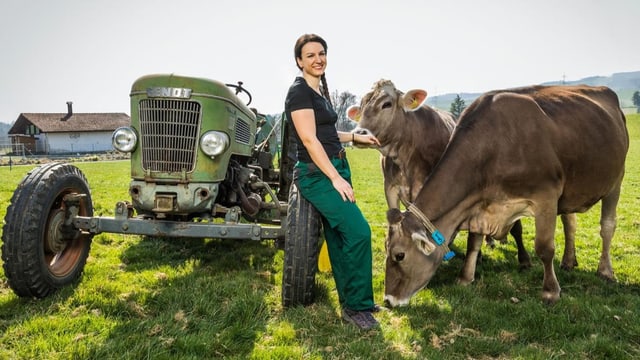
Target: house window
32, 130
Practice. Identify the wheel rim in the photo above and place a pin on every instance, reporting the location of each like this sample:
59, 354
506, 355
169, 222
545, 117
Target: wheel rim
62, 254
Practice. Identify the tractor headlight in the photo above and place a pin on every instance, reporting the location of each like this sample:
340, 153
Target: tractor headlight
213, 143
124, 139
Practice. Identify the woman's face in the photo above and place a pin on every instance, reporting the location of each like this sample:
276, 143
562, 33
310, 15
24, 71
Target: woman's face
313, 59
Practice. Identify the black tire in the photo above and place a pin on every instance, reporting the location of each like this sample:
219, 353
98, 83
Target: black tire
37, 258
301, 248
288, 159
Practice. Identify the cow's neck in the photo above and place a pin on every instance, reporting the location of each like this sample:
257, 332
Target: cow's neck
449, 202
415, 151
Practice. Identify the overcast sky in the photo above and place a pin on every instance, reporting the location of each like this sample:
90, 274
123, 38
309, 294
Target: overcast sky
90, 52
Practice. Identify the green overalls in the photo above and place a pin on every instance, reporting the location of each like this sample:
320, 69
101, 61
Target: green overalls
346, 231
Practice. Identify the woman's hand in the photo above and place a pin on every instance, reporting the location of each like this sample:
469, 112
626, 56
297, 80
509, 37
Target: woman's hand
365, 139
344, 189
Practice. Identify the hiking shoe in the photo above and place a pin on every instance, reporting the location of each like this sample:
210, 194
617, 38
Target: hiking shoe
362, 319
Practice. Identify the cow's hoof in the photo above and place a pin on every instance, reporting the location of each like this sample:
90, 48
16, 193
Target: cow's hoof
524, 265
463, 281
607, 275
550, 298
568, 265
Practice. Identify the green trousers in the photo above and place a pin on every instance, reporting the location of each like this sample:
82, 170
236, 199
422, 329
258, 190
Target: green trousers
346, 231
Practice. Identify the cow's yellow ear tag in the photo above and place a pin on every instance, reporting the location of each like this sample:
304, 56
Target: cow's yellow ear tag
413, 99
324, 265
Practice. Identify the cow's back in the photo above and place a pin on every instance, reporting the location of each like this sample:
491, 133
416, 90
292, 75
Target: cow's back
570, 137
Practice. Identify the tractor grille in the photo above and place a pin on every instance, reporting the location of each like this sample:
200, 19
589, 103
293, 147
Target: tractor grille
243, 132
169, 131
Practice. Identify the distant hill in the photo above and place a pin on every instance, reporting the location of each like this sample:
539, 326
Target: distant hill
4, 130
624, 84
617, 81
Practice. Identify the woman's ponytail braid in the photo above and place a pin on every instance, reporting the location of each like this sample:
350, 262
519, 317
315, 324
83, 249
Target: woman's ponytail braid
325, 90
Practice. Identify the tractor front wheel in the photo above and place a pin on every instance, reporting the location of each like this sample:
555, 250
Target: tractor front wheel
41, 250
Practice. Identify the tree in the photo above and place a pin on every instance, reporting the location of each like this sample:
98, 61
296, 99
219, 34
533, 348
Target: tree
457, 106
341, 102
636, 100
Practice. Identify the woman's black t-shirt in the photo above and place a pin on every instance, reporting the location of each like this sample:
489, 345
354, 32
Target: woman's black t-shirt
301, 96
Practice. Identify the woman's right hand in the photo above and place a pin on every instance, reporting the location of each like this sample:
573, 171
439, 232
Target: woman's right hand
344, 189
366, 139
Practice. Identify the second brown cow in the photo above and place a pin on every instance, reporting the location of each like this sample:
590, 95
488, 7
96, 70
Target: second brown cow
413, 136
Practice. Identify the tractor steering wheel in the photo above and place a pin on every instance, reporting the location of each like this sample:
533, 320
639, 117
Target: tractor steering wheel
239, 89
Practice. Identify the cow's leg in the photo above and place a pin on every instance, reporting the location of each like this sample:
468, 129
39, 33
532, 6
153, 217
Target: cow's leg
394, 182
491, 242
391, 189
474, 243
523, 256
607, 229
569, 260
391, 193
545, 249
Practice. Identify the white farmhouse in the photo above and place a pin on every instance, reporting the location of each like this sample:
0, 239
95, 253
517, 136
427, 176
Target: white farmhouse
65, 133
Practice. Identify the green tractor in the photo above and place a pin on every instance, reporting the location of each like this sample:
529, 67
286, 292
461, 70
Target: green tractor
202, 166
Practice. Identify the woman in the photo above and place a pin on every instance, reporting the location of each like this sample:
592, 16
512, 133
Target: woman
323, 177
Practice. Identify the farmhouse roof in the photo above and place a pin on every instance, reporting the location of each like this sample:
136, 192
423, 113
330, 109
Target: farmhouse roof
74, 122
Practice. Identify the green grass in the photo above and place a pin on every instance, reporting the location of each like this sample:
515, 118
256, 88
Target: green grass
142, 298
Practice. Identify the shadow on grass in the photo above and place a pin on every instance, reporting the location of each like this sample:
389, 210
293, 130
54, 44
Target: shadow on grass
501, 314
20, 309
205, 299
320, 328
225, 307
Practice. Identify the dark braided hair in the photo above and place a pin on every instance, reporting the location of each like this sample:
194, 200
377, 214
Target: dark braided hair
297, 52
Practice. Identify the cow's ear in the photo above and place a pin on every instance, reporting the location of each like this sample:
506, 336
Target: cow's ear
413, 99
353, 113
421, 239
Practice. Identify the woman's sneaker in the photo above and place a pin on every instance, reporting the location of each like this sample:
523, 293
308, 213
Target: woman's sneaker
362, 319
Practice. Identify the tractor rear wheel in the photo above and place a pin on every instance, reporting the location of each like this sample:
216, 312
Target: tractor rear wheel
301, 247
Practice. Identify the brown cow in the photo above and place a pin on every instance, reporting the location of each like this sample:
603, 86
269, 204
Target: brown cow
413, 136
561, 150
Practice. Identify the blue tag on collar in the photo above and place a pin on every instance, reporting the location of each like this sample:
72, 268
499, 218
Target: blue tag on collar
437, 237
448, 255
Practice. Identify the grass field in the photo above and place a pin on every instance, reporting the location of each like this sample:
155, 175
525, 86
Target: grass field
145, 298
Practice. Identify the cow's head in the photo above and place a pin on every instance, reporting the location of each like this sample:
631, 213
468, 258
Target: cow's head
385, 107
412, 257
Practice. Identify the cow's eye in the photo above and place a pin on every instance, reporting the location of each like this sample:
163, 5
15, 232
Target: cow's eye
399, 257
386, 105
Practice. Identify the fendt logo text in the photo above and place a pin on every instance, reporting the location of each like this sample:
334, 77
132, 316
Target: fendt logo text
181, 93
